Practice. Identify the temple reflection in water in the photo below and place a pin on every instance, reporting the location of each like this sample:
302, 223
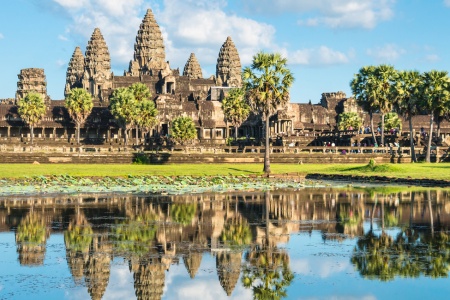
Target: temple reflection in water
245, 232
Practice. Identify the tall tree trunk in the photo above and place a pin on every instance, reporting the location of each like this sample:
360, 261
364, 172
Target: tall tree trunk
382, 129
411, 211
267, 150
371, 128
137, 135
430, 208
411, 140
428, 157
126, 136
78, 133
32, 135
438, 131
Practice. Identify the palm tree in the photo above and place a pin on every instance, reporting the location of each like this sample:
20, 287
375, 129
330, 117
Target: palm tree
235, 108
436, 98
386, 77
79, 105
406, 93
31, 109
146, 117
123, 108
267, 84
142, 94
363, 87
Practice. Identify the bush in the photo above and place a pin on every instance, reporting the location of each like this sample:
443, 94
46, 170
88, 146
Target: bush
141, 159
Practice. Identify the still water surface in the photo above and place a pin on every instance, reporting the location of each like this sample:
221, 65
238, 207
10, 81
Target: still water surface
319, 243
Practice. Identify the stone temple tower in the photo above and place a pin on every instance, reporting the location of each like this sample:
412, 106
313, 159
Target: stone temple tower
228, 68
32, 80
75, 71
97, 67
192, 68
149, 51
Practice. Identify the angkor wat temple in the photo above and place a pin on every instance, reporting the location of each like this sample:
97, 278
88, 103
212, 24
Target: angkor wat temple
175, 94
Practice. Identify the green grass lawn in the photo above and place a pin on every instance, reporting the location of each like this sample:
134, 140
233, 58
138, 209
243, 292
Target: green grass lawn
420, 170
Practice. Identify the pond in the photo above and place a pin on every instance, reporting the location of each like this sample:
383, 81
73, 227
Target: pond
310, 243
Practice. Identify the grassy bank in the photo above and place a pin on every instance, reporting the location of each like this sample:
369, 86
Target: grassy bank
416, 171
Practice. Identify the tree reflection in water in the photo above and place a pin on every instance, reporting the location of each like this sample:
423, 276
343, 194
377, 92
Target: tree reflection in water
267, 271
411, 253
31, 238
242, 231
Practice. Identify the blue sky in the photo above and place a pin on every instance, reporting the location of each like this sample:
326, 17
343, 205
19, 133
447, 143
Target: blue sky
325, 41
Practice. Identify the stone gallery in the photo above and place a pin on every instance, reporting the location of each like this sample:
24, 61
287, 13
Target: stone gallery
175, 94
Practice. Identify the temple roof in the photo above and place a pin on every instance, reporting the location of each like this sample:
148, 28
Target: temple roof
228, 69
97, 61
192, 68
149, 51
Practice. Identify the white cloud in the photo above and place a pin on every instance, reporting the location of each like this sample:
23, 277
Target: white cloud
200, 26
318, 56
1, 36
331, 13
62, 38
207, 28
447, 3
386, 53
118, 21
432, 57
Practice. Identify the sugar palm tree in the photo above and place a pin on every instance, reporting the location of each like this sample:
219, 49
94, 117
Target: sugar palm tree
147, 115
123, 108
142, 94
435, 98
406, 93
267, 83
235, 108
385, 76
31, 109
79, 105
363, 89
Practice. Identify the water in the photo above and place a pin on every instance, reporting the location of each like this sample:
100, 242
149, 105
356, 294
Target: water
317, 243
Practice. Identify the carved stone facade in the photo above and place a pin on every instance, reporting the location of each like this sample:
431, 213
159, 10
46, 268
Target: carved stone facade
32, 80
75, 71
187, 94
228, 70
192, 68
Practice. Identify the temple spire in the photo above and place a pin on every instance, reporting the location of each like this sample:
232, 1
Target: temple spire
228, 68
149, 51
192, 68
75, 71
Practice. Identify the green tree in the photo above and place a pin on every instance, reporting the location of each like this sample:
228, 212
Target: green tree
392, 121
385, 78
183, 130
363, 89
267, 83
143, 107
123, 108
349, 119
147, 115
79, 105
406, 100
435, 99
31, 109
235, 108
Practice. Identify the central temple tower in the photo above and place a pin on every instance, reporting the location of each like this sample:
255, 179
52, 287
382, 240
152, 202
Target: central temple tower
149, 51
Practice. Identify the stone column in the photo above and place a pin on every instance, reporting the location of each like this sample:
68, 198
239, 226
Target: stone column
43, 132
54, 133
9, 132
